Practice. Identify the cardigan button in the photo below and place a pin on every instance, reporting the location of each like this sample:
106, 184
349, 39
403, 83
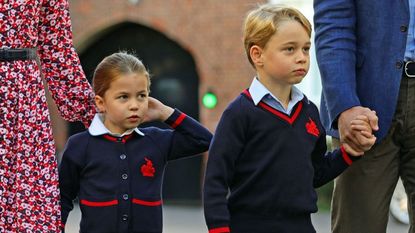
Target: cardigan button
125, 217
124, 176
123, 156
404, 28
125, 196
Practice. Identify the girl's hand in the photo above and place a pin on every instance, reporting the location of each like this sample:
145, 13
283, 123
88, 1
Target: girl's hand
157, 111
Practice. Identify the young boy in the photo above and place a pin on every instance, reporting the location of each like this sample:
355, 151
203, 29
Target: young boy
268, 153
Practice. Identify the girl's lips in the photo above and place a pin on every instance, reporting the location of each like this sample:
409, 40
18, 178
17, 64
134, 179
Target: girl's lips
133, 118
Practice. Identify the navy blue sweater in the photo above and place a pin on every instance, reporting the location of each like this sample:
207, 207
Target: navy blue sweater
263, 167
118, 180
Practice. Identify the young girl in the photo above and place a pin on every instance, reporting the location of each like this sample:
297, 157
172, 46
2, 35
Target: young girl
116, 169
268, 153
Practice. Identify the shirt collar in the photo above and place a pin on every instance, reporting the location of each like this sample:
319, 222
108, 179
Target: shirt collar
97, 128
258, 91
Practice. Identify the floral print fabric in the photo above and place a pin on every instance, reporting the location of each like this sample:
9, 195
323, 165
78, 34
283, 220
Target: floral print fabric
29, 194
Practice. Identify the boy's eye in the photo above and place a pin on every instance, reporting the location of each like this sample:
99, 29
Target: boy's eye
122, 97
306, 49
289, 49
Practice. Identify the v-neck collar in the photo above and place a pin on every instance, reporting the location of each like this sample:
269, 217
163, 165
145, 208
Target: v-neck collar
290, 119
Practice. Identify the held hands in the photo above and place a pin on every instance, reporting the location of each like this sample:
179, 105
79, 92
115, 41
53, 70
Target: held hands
356, 126
157, 111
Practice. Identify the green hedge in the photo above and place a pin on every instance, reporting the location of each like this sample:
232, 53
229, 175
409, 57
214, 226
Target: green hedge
325, 192
324, 197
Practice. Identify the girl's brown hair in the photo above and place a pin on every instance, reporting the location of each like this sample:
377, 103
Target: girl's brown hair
114, 65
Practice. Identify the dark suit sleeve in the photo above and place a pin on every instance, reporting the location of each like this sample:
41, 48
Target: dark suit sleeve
189, 137
227, 144
335, 39
69, 173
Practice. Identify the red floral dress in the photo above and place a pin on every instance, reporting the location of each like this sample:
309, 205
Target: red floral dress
29, 194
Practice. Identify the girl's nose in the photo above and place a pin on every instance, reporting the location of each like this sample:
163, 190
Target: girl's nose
134, 105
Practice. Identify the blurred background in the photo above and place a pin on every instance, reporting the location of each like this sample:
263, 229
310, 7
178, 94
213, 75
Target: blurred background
195, 54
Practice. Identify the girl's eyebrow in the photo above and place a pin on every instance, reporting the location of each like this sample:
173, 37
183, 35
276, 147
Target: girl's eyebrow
122, 93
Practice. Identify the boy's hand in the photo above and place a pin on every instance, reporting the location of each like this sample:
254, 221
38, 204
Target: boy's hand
346, 133
157, 111
362, 131
351, 151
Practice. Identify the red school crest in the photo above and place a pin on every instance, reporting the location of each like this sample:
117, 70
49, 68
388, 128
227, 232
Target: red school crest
147, 169
312, 127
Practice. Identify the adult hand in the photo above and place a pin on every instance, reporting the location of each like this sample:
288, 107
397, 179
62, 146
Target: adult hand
363, 131
347, 135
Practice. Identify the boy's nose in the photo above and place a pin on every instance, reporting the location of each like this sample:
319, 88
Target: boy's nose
302, 57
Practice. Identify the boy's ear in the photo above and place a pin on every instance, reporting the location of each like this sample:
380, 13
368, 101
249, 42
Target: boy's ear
99, 102
256, 55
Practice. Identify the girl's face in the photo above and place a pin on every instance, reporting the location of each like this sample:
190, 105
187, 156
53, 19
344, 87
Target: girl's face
285, 58
125, 103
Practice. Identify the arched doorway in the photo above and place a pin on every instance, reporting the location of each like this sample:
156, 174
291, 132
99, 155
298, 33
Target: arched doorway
175, 82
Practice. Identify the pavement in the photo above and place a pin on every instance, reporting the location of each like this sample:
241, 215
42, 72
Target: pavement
189, 219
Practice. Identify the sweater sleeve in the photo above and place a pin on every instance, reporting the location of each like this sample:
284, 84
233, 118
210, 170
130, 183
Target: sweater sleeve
227, 144
328, 165
189, 137
69, 174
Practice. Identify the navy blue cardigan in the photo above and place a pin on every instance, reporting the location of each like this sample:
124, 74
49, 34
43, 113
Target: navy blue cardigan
118, 180
263, 167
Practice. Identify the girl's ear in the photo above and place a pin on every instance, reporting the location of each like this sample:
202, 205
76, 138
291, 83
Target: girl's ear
99, 102
256, 55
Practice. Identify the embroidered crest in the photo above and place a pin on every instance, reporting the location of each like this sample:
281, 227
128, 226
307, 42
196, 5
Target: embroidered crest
312, 128
147, 169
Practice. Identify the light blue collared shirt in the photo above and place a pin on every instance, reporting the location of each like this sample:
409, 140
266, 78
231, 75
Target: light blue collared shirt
410, 41
259, 92
97, 127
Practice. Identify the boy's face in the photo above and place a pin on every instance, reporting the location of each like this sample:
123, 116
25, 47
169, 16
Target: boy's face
285, 59
125, 103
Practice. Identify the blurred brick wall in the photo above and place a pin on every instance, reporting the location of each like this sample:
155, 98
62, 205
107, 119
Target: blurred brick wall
211, 30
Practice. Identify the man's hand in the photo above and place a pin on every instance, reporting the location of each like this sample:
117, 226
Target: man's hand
351, 137
363, 134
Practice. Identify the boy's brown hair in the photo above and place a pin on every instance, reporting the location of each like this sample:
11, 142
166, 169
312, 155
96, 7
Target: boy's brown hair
262, 23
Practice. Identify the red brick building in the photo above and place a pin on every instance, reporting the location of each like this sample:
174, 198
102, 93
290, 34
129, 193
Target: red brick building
209, 31
190, 46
